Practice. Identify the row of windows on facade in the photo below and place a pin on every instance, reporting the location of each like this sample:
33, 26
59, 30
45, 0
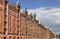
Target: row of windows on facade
13, 29
10, 28
14, 19
11, 37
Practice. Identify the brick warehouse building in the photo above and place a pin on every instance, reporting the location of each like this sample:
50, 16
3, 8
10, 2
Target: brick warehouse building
19, 25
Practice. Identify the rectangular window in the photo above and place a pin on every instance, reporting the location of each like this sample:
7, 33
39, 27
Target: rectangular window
5, 32
13, 37
10, 37
9, 28
4, 25
10, 24
5, 20
5, 5
14, 30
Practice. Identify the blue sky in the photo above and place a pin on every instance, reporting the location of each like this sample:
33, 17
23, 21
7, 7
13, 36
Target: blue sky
31, 4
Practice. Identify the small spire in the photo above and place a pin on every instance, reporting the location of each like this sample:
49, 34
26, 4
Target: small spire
18, 6
34, 16
25, 10
17, 2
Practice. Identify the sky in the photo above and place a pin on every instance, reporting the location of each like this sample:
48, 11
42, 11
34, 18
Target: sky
31, 4
48, 12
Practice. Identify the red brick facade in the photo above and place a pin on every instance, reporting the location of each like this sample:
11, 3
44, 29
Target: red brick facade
17, 25
1, 19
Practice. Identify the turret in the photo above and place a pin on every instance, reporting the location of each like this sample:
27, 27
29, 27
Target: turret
25, 12
34, 16
17, 6
30, 16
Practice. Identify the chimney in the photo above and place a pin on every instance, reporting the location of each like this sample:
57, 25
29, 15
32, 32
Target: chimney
34, 16
25, 12
17, 6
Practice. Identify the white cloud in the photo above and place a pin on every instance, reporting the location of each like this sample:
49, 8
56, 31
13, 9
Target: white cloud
48, 16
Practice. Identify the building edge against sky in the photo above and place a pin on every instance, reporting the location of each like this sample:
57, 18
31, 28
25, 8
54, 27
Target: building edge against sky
17, 25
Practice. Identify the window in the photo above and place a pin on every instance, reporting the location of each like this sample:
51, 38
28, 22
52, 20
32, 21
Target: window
9, 28
4, 25
10, 23
5, 10
5, 3
18, 26
4, 37
18, 32
13, 37
5, 20
14, 30
5, 29
5, 14
17, 37
5, 33
10, 37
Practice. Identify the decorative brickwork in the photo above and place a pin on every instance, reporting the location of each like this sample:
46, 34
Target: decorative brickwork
17, 25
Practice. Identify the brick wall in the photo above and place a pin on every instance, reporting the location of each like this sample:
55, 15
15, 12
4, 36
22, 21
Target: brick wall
21, 23
12, 23
1, 19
